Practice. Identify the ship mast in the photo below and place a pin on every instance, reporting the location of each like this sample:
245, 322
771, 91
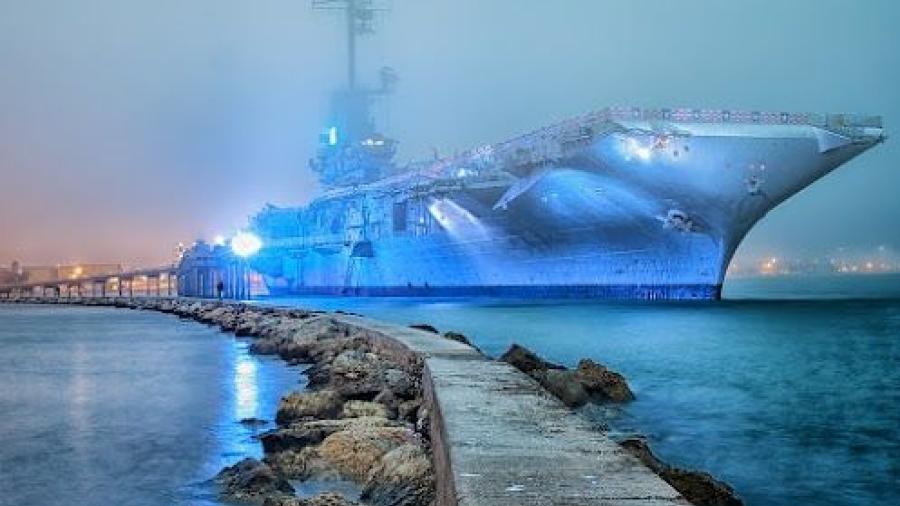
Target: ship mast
351, 43
353, 151
360, 15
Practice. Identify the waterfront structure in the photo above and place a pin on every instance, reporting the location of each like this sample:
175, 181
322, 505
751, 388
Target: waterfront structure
205, 268
11, 274
47, 273
153, 282
619, 203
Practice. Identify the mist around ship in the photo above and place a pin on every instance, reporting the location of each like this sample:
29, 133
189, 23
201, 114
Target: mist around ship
127, 103
130, 129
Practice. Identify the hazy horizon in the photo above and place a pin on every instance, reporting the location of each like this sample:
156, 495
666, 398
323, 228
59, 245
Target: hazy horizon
128, 128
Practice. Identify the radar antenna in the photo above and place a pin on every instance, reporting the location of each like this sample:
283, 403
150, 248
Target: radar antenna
360, 21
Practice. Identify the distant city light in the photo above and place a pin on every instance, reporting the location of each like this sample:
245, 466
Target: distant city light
877, 260
219, 240
245, 244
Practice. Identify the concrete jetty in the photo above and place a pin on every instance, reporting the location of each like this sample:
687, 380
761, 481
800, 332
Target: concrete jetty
500, 439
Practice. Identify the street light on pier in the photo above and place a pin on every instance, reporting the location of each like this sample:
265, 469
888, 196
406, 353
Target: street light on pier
244, 245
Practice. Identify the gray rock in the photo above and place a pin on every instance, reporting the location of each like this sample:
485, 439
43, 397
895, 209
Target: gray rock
403, 477
460, 338
302, 406
252, 481
424, 326
699, 488
399, 382
526, 361
601, 383
563, 385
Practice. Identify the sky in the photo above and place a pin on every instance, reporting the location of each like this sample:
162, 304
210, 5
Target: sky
126, 127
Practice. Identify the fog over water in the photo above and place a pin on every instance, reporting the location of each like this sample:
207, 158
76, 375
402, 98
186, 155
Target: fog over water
128, 126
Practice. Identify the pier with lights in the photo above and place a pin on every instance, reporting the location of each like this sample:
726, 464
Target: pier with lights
203, 271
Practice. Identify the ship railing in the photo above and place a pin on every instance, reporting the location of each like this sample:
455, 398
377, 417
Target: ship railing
573, 126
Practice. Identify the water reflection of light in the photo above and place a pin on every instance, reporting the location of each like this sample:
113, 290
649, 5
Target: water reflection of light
246, 387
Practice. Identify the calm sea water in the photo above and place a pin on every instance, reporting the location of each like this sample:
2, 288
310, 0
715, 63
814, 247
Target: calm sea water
113, 407
789, 390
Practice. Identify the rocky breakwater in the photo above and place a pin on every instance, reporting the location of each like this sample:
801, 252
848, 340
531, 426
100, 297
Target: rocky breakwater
361, 417
367, 417
589, 382
592, 382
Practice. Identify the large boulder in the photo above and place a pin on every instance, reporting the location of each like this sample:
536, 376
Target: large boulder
590, 382
526, 361
601, 383
390, 402
424, 326
348, 367
460, 338
294, 437
401, 383
295, 350
252, 481
699, 488
564, 386
356, 409
303, 464
403, 477
302, 406
294, 449
212, 314
352, 364
248, 325
355, 451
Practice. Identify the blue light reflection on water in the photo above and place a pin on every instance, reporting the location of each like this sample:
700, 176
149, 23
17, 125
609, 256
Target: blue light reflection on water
104, 406
791, 400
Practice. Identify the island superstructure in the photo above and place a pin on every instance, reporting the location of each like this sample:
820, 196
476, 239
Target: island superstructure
617, 203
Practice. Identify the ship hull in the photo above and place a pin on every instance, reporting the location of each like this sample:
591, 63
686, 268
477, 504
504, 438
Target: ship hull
611, 292
627, 215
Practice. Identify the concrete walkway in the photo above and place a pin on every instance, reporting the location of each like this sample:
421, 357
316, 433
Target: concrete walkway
501, 439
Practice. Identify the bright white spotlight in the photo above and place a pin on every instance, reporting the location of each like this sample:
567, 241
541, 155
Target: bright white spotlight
245, 244
636, 149
219, 240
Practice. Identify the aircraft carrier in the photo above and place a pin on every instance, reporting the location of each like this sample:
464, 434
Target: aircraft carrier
617, 203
